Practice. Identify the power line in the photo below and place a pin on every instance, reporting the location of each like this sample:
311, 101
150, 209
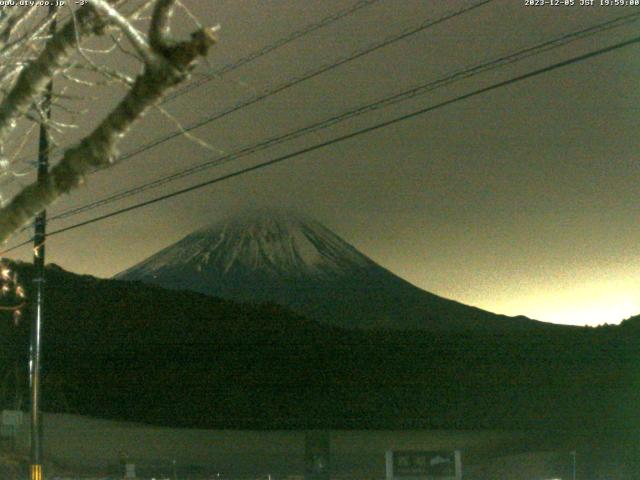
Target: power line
270, 48
302, 78
342, 138
297, 80
306, 30
385, 102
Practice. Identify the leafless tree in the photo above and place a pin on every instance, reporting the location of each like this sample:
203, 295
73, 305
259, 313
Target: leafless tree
77, 53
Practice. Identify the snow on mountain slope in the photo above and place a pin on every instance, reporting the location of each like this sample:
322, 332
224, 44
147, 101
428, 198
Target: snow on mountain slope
295, 261
276, 244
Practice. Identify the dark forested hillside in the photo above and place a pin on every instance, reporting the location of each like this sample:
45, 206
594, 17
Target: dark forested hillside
130, 351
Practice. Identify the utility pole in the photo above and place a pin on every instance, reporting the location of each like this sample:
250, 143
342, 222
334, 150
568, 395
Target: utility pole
40, 223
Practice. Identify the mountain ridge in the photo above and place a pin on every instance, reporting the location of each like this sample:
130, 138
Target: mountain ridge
294, 260
303, 246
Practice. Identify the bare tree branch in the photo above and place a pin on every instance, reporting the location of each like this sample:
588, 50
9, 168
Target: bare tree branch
139, 10
169, 65
132, 33
12, 21
33, 79
159, 30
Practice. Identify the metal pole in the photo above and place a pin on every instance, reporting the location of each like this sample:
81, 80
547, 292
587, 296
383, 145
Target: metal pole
35, 364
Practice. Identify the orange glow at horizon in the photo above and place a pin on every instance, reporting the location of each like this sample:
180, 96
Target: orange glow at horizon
586, 304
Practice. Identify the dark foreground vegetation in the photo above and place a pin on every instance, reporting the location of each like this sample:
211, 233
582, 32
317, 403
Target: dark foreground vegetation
125, 350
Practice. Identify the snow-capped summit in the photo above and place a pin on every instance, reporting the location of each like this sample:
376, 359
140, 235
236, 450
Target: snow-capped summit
293, 260
278, 244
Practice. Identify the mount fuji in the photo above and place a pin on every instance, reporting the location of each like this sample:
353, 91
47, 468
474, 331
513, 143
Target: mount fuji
297, 262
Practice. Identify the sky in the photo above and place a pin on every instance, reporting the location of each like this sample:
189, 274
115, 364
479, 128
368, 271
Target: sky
521, 200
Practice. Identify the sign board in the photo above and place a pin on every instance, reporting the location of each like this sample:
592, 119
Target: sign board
11, 421
317, 455
424, 465
130, 470
12, 418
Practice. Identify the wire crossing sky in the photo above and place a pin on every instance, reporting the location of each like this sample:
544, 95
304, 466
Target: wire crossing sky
475, 70
259, 53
